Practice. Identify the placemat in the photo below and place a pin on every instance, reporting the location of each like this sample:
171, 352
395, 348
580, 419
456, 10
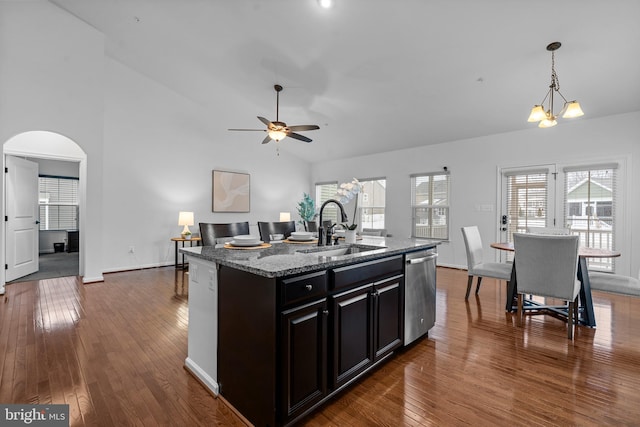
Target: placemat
262, 246
301, 241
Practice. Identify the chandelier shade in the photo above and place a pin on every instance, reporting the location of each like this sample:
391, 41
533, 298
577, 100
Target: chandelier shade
546, 116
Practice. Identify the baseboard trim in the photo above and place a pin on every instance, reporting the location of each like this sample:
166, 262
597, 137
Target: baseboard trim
205, 379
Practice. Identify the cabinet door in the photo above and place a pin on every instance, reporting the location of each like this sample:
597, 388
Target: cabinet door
352, 327
304, 357
389, 309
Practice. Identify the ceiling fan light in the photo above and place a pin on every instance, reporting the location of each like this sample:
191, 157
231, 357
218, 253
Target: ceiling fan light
572, 109
277, 135
548, 122
537, 114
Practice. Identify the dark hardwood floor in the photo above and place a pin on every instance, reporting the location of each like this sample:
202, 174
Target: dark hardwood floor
114, 352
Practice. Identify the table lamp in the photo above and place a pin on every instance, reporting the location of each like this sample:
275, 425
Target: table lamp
186, 219
285, 216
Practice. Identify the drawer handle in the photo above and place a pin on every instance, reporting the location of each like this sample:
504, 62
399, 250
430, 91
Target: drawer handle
309, 287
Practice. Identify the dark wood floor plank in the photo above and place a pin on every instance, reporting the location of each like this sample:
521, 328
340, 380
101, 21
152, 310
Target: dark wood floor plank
114, 351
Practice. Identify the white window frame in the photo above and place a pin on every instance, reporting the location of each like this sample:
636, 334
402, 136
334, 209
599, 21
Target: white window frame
375, 206
444, 233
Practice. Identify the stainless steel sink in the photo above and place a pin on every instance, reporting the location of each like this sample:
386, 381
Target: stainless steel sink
340, 250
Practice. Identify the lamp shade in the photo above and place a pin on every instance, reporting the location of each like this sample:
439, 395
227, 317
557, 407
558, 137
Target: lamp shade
548, 123
537, 114
572, 110
285, 216
185, 218
277, 134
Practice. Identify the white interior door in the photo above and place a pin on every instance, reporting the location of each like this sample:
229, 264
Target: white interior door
21, 217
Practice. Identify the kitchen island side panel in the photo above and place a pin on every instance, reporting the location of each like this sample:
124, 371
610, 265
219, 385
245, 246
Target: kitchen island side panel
247, 344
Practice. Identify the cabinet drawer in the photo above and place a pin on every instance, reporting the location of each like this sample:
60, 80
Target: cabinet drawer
300, 288
366, 272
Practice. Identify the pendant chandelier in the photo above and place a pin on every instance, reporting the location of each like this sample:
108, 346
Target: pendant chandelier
547, 117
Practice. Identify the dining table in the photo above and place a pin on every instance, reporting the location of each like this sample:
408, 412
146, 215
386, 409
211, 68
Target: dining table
586, 312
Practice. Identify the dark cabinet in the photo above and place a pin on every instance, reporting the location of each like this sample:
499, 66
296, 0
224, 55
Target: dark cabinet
304, 357
73, 240
286, 345
367, 326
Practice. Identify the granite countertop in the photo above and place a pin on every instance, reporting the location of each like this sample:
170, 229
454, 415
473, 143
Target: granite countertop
284, 259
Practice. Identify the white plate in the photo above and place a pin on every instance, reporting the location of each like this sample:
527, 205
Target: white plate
246, 238
245, 244
301, 238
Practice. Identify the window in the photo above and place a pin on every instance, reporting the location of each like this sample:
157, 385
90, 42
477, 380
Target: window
430, 205
58, 203
324, 192
593, 189
372, 203
526, 200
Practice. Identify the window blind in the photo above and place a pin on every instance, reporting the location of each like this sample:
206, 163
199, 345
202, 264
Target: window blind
58, 203
430, 205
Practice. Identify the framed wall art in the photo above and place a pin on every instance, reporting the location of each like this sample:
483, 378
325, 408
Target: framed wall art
231, 191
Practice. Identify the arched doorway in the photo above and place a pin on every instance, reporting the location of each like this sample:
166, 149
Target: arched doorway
51, 146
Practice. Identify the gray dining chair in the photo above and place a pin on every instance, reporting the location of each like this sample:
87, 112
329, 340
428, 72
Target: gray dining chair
554, 231
379, 232
212, 233
547, 266
475, 262
615, 283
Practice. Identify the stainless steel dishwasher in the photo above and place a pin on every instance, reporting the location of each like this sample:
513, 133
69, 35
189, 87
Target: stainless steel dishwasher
419, 293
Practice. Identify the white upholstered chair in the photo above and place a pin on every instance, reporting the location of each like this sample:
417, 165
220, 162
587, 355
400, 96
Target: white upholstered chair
615, 283
380, 232
555, 231
475, 262
547, 266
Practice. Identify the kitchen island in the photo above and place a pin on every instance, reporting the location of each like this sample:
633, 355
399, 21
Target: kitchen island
277, 331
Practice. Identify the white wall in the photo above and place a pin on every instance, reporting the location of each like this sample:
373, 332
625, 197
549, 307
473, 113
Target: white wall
474, 163
51, 73
149, 152
160, 150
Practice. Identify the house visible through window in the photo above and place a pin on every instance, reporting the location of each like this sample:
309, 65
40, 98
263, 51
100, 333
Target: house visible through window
590, 201
58, 203
371, 204
430, 205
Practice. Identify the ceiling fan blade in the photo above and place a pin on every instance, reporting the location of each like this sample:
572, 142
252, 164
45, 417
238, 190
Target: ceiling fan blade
266, 140
252, 130
263, 120
298, 136
303, 127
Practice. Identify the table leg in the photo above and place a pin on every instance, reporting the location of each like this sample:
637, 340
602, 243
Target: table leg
176, 262
512, 289
586, 302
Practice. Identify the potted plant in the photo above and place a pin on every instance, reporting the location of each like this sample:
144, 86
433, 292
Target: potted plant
307, 210
186, 235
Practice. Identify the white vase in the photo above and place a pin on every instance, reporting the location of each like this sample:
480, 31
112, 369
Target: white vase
350, 236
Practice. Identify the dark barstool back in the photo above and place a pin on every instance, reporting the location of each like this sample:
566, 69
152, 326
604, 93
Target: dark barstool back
267, 228
211, 232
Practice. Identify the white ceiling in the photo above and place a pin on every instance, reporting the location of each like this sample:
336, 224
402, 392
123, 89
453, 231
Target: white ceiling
376, 75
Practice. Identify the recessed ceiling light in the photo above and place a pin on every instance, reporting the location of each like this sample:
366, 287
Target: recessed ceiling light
326, 4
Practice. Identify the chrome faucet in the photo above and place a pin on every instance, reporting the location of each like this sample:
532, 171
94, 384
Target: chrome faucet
321, 228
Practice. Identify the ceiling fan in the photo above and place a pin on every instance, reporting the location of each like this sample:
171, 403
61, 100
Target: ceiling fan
277, 131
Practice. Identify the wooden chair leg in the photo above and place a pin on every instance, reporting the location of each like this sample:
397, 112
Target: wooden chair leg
469, 282
520, 313
478, 285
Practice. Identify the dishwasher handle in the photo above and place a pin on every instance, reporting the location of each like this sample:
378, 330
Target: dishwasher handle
422, 259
